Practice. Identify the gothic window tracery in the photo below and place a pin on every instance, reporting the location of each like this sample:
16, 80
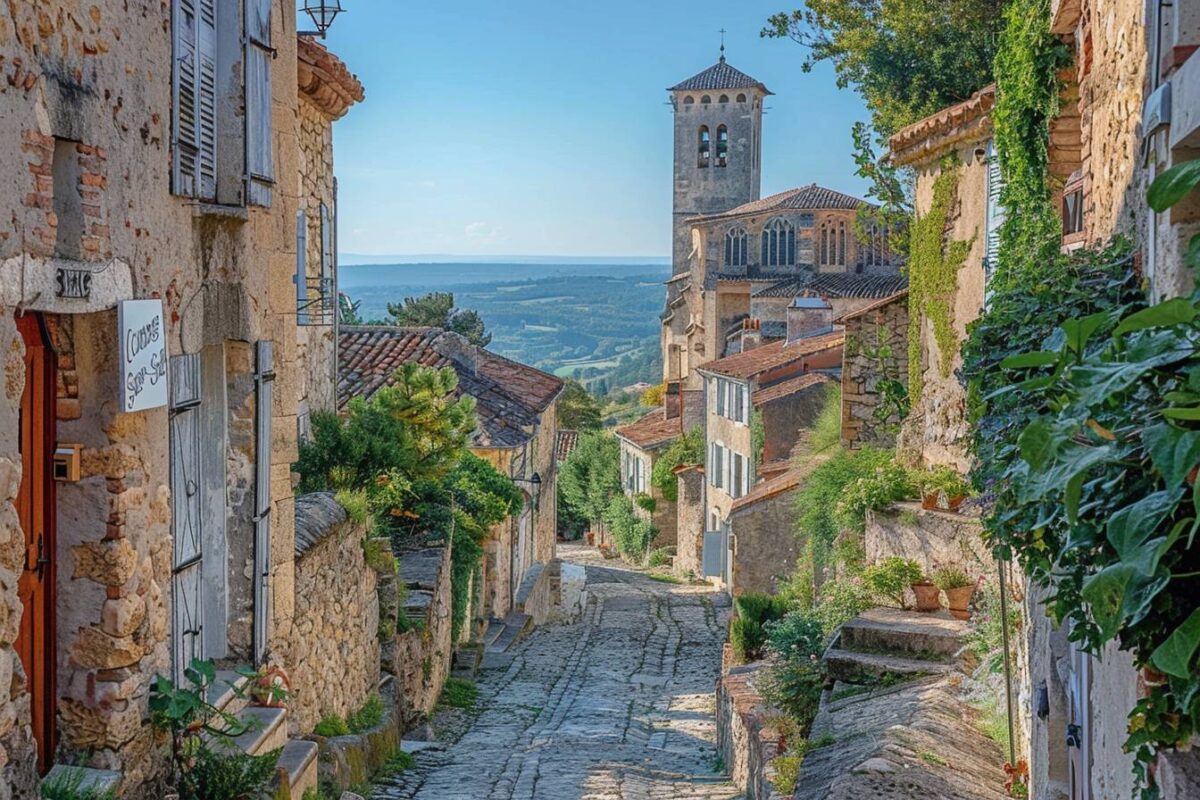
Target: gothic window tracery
737, 248
779, 243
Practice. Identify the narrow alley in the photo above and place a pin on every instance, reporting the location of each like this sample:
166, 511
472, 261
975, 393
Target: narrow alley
617, 703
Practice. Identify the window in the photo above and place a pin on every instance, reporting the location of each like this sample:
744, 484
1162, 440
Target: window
722, 146
716, 465
736, 247
705, 144
733, 399
260, 170
718, 386
833, 243
779, 244
723, 99
705, 100
741, 98
689, 100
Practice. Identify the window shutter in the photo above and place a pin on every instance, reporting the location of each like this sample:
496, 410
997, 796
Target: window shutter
735, 485
719, 466
301, 278
995, 212
260, 173
194, 99
720, 384
326, 259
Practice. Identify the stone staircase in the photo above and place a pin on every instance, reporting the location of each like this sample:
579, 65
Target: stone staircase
887, 645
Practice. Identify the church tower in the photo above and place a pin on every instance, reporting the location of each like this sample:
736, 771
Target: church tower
718, 147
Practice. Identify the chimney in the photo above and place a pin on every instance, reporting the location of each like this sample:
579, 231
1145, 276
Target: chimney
458, 349
693, 408
751, 334
808, 316
672, 400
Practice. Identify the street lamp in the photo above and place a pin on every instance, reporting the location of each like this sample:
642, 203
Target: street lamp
535, 483
322, 13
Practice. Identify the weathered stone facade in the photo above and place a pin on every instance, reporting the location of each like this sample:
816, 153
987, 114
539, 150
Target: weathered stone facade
747, 741
876, 350
690, 519
333, 653
421, 656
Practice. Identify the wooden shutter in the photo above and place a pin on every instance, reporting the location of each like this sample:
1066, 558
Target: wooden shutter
995, 213
188, 18
187, 635
301, 278
264, 376
260, 171
720, 390
735, 468
326, 263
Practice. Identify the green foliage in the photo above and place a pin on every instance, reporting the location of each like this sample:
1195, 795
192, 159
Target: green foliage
367, 717
747, 633
827, 428
687, 449
841, 601
458, 693
631, 535
890, 579
436, 310
377, 552
205, 763
950, 577
888, 484
646, 502
943, 481
907, 58
659, 558
986, 638
577, 410
356, 504
933, 265
892, 208
1170, 188
794, 686
398, 762
1028, 62
799, 634
332, 725
67, 786
348, 313
758, 437
591, 477
653, 397
787, 772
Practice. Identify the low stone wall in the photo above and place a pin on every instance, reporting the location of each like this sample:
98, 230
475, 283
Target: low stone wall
347, 761
334, 647
931, 538
747, 743
689, 546
420, 658
537, 595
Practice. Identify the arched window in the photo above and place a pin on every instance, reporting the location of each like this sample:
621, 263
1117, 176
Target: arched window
779, 244
705, 100
842, 244
824, 244
741, 98
705, 146
737, 248
723, 99
722, 146
689, 100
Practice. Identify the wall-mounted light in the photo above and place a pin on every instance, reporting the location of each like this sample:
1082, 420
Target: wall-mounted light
535, 483
322, 13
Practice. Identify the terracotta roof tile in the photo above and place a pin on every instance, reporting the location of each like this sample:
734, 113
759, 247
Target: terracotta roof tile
803, 198
878, 304
567, 441
510, 397
773, 355
789, 387
933, 136
836, 285
652, 430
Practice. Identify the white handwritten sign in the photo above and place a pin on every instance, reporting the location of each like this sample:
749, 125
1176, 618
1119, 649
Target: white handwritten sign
143, 353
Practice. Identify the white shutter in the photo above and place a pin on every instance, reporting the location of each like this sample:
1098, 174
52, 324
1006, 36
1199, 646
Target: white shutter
260, 172
301, 278
995, 212
184, 150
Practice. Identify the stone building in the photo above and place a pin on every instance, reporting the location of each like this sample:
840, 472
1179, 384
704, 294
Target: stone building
517, 434
782, 376
146, 275
751, 261
875, 372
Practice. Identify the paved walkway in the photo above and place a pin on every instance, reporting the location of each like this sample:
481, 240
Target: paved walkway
617, 704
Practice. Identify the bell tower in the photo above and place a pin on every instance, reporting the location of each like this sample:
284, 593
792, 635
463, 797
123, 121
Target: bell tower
718, 147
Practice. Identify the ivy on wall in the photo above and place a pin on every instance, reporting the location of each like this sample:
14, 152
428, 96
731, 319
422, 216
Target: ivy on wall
933, 266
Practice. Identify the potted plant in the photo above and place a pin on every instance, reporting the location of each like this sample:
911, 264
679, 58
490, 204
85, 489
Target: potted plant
943, 489
959, 589
268, 687
890, 579
591, 538
929, 596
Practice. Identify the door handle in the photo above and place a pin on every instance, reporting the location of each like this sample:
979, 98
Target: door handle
42, 560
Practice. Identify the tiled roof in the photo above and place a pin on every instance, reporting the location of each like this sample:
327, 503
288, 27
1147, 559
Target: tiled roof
837, 285
719, 76
652, 429
773, 355
567, 440
773, 329
765, 490
934, 135
789, 387
510, 397
804, 198
873, 306
323, 78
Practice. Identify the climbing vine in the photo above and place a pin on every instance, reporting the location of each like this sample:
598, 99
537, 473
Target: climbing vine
933, 266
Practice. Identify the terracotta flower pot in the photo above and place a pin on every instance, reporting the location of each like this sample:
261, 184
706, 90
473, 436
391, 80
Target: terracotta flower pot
933, 502
959, 601
929, 598
591, 537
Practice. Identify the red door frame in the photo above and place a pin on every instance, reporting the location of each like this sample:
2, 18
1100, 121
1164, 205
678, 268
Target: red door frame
37, 509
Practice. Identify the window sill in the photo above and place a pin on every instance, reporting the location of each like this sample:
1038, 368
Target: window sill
224, 212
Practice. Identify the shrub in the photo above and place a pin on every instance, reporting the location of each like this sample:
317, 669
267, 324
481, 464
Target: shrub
458, 693
787, 772
646, 503
66, 786
889, 483
367, 717
631, 535
355, 504
746, 633
890, 579
794, 687
986, 639
231, 774
951, 578
841, 601
797, 635
943, 481
659, 557
687, 449
332, 725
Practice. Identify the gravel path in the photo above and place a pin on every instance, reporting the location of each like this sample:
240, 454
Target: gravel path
616, 704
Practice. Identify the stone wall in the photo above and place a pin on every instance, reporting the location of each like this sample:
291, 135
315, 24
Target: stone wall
765, 544
689, 544
744, 736
876, 349
931, 538
420, 657
333, 653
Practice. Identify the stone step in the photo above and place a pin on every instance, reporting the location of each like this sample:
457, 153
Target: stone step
515, 626
867, 668
299, 762
495, 627
893, 631
268, 730
225, 690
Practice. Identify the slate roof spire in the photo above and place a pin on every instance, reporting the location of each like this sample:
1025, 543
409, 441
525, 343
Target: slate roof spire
720, 76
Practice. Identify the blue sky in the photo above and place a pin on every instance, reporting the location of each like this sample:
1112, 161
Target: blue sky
540, 127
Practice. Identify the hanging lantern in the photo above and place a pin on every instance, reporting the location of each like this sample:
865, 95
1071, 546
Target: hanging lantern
322, 13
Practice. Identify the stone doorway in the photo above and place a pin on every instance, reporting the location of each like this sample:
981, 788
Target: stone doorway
35, 643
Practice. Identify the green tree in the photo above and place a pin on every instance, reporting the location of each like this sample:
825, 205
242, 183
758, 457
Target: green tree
907, 58
436, 310
591, 475
577, 409
687, 449
348, 313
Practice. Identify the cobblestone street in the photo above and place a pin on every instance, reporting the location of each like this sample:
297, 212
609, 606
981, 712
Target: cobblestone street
616, 704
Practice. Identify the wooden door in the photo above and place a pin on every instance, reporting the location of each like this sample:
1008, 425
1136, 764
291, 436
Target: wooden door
187, 629
36, 507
